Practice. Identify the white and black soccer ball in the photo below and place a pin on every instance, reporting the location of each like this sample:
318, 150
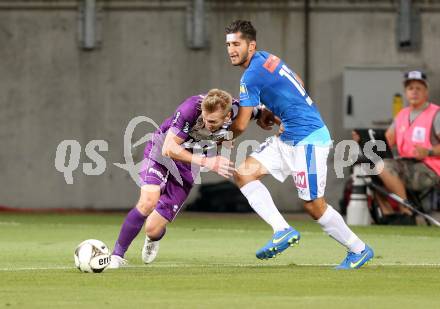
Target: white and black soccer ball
92, 256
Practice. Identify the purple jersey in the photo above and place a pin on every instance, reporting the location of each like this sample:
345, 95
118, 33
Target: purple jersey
187, 123
174, 177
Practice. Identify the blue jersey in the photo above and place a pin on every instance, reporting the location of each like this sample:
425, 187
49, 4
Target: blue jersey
269, 81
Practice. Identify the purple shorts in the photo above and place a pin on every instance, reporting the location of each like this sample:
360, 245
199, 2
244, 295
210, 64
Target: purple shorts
174, 178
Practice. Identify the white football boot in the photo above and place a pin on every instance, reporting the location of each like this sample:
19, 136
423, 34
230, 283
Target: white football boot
117, 262
150, 250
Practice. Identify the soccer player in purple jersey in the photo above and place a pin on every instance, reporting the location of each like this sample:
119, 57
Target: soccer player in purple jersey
201, 121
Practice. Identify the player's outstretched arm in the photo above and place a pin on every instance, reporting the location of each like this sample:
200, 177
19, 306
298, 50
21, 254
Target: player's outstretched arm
221, 165
173, 149
242, 121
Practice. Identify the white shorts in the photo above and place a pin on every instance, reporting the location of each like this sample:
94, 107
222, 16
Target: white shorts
306, 163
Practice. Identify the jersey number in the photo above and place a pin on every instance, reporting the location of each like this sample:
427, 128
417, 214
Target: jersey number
285, 71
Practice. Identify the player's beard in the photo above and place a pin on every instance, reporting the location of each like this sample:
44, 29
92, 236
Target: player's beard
242, 59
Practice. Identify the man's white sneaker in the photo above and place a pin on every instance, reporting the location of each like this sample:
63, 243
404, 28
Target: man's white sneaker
117, 262
150, 250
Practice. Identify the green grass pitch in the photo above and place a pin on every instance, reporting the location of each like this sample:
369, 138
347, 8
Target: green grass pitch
208, 261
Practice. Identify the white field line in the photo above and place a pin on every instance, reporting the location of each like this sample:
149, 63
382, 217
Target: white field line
9, 223
222, 265
234, 230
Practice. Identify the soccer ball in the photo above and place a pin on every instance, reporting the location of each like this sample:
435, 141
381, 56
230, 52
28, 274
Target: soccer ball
92, 256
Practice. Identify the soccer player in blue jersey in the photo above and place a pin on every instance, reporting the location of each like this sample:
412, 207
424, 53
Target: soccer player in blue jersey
301, 150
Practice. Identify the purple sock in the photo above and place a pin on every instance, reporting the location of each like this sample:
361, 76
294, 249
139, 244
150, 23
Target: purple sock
130, 229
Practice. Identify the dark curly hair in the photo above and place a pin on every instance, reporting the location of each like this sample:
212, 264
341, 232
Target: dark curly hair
245, 27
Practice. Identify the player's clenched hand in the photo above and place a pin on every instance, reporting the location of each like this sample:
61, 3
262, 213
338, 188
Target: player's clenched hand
220, 165
266, 119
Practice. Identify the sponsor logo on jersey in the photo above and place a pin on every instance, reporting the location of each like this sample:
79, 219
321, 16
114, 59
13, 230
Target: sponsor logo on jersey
157, 173
186, 127
300, 179
271, 63
176, 118
243, 92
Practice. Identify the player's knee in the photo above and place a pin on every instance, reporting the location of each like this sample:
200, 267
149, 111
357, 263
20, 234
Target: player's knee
146, 205
243, 176
242, 180
239, 179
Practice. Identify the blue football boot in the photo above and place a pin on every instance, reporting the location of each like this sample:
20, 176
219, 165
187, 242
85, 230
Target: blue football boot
280, 241
354, 261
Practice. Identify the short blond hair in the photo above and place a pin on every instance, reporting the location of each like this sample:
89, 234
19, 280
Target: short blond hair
217, 99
